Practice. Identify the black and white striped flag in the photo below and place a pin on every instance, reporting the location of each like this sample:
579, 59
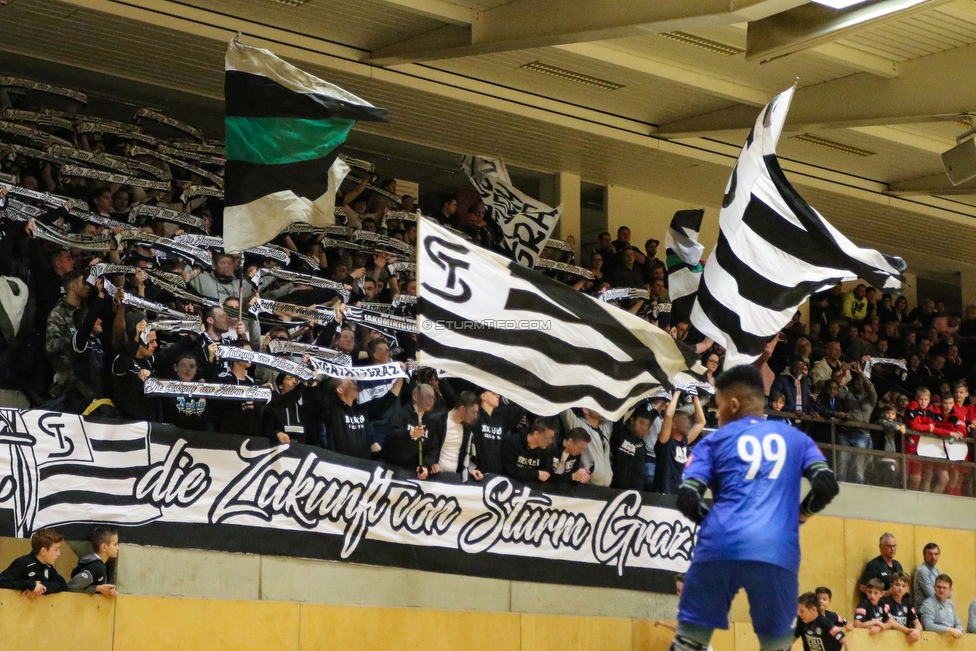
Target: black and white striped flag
773, 250
684, 255
534, 340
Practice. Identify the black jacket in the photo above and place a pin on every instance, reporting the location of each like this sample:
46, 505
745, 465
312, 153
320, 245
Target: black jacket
402, 450
628, 461
490, 430
90, 573
26, 571
470, 444
572, 464
345, 426
522, 462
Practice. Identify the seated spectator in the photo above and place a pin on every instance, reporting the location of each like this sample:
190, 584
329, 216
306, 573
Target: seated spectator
882, 567
629, 454
794, 384
627, 273
870, 613
816, 631
671, 447
901, 609
938, 613
566, 464
597, 455
824, 597
526, 457
92, 574
34, 574
921, 417
854, 306
861, 346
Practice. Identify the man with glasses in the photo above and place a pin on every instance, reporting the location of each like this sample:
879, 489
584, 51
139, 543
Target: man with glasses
883, 568
938, 613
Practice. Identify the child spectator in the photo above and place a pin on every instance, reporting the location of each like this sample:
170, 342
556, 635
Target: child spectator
870, 613
824, 597
34, 573
891, 441
816, 631
777, 401
899, 605
92, 575
921, 417
953, 420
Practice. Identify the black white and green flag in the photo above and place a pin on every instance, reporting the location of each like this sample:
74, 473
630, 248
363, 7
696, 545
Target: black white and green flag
284, 128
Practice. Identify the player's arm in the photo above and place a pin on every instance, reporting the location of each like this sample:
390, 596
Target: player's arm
823, 486
846, 643
699, 425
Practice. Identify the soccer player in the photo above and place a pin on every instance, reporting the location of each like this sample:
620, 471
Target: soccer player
750, 538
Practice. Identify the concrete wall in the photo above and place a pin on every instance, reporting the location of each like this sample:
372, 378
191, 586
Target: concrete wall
133, 623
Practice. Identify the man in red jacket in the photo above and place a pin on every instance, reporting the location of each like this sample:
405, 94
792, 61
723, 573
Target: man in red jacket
921, 417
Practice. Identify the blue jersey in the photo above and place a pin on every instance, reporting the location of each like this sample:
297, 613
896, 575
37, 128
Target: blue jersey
753, 467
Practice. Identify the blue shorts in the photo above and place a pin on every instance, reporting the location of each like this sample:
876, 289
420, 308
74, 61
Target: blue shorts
710, 587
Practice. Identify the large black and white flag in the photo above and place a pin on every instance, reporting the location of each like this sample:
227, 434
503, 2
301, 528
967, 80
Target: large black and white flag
534, 340
525, 222
773, 250
684, 254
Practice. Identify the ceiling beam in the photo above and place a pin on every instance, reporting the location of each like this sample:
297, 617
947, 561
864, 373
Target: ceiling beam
937, 184
524, 24
814, 24
666, 69
934, 88
909, 137
447, 12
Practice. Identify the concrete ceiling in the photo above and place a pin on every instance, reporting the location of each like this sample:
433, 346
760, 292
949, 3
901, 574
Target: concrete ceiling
890, 82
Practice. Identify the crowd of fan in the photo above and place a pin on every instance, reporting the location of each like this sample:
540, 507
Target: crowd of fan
78, 347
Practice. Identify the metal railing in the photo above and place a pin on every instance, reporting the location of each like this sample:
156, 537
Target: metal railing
883, 468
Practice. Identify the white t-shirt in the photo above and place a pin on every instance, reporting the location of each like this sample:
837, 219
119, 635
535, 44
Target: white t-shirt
451, 449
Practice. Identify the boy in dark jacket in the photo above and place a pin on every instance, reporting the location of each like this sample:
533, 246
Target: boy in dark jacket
34, 574
92, 574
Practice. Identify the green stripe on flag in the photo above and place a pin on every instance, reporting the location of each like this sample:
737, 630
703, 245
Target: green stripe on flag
278, 141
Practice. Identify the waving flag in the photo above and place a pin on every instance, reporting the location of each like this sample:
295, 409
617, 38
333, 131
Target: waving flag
684, 255
534, 340
525, 222
284, 128
773, 250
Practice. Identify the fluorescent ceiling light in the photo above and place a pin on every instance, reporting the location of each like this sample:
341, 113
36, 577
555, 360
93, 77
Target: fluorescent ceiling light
839, 4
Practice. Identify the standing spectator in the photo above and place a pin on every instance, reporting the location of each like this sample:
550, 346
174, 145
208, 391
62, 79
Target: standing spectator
817, 633
923, 315
938, 613
220, 283
861, 401
882, 567
622, 243
566, 466
901, 609
61, 325
495, 421
794, 384
132, 367
671, 448
921, 417
526, 457
408, 443
926, 573
34, 573
855, 305
453, 432
824, 368
597, 453
244, 417
629, 451
346, 420
627, 273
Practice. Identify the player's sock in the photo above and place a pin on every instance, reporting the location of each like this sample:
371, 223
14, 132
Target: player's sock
782, 643
682, 643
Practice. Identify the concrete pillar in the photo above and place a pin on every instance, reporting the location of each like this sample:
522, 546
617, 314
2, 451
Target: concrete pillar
968, 285
563, 188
